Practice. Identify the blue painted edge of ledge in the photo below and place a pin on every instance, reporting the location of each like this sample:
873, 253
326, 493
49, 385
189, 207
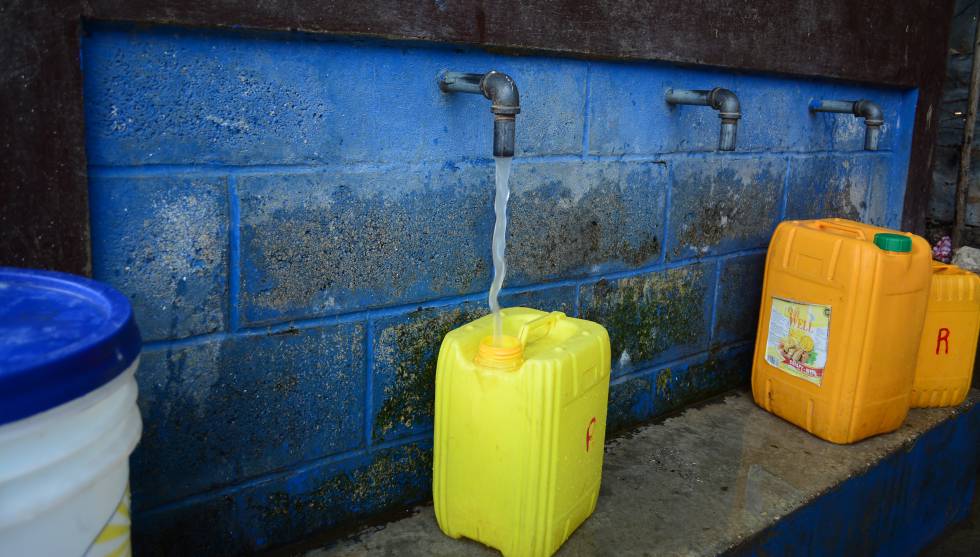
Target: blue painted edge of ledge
895, 507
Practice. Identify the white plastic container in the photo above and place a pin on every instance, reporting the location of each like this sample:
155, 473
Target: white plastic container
68, 416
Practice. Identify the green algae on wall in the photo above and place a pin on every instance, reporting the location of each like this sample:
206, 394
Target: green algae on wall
656, 315
377, 484
406, 352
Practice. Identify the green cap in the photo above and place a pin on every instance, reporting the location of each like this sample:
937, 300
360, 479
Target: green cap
893, 242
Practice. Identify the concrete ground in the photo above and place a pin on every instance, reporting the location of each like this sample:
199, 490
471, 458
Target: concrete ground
698, 483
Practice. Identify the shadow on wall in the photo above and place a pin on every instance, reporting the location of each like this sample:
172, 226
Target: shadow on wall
296, 245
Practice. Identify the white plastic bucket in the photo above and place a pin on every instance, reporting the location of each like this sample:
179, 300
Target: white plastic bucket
66, 433
64, 475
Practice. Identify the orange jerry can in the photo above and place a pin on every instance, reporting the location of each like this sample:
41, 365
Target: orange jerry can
842, 311
949, 338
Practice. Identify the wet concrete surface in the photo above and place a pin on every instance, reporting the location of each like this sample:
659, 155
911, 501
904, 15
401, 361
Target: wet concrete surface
698, 483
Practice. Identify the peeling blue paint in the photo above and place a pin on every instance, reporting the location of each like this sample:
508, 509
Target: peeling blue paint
577, 219
852, 187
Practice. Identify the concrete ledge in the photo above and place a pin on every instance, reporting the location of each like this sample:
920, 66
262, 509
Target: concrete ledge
727, 477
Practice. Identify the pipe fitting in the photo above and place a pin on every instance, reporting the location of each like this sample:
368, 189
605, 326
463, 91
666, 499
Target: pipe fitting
505, 102
725, 102
720, 99
873, 116
502, 92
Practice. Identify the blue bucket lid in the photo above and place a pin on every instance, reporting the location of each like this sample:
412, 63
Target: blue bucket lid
61, 337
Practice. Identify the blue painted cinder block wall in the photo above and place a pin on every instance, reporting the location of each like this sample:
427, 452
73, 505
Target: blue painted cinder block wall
299, 220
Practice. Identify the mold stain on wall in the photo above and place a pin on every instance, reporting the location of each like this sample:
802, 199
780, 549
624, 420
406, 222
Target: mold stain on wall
406, 353
325, 243
377, 485
571, 219
724, 203
650, 314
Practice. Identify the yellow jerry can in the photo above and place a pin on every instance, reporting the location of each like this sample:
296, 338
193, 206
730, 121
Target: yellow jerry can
519, 429
842, 310
949, 338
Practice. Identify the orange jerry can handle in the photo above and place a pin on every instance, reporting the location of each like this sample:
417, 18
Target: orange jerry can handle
840, 229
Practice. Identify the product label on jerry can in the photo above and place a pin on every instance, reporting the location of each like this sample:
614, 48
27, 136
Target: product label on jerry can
798, 335
113, 540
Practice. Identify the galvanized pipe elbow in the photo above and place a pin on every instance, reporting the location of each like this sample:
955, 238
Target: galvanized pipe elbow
502, 92
726, 103
873, 116
873, 120
720, 99
505, 102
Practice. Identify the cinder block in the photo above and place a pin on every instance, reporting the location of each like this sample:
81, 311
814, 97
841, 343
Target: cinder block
287, 507
720, 205
163, 242
580, 218
739, 291
678, 386
339, 241
630, 402
219, 412
654, 316
851, 187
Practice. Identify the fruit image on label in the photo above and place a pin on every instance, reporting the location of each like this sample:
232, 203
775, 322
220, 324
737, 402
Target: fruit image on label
797, 339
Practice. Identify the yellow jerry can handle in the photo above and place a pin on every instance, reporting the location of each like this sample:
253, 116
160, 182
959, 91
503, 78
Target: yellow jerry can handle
539, 327
507, 352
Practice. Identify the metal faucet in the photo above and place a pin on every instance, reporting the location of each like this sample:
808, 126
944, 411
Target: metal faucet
869, 110
722, 100
505, 102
